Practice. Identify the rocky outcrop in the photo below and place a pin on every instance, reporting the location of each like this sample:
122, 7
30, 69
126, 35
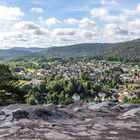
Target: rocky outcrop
92, 121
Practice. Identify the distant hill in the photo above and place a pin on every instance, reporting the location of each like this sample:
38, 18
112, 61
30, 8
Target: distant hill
19, 52
124, 51
78, 50
13, 53
32, 49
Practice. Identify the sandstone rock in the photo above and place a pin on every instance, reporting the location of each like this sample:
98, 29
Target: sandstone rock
132, 113
2, 117
128, 106
100, 105
6, 124
4, 135
94, 121
19, 114
77, 109
58, 136
14, 129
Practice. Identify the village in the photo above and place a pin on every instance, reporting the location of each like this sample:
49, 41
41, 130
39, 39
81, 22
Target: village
126, 75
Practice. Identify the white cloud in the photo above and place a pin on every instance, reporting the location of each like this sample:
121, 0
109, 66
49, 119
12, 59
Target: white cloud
52, 21
37, 10
29, 27
48, 22
104, 25
99, 12
135, 23
86, 34
10, 13
138, 7
106, 2
104, 14
72, 21
64, 32
83, 23
10, 35
114, 29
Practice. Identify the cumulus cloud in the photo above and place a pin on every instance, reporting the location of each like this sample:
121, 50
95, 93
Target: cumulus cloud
99, 12
104, 14
72, 21
10, 35
86, 34
52, 21
103, 24
10, 13
64, 31
135, 23
85, 22
138, 7
114, 29
29, 26
105, 2
37, 10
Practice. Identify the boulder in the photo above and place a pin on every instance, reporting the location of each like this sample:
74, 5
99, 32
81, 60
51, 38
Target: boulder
20, 114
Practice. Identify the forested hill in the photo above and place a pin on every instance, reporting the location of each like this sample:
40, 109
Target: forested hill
78, 50
31, 49
19, 52
13, 53
125, 51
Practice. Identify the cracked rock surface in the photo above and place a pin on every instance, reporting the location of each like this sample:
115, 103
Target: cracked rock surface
92, 121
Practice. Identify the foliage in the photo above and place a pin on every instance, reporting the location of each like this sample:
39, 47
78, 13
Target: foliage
9, 93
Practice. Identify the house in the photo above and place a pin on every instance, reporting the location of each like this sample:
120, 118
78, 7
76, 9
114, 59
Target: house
76, 97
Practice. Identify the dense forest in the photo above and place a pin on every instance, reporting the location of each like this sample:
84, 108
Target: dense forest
126, 51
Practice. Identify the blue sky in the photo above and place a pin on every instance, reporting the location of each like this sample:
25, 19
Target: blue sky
44, 23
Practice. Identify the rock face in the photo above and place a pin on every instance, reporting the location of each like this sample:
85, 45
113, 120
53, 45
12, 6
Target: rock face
94, 121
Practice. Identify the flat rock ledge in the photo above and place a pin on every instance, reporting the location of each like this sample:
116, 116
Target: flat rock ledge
91, 121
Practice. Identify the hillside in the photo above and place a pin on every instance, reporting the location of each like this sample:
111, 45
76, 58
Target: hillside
78, 50
31, 49
19, 52
125, 51
13, 53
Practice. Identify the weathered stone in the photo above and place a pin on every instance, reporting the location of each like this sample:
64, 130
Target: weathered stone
14, 129
77, 109
97, 121
19, 114
58, 136
132, 113
100, 105
2, 117
6, 124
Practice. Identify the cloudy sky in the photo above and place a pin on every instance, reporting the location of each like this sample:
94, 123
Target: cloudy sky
44, 23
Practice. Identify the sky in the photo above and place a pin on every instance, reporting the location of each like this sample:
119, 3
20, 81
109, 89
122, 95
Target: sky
45, 23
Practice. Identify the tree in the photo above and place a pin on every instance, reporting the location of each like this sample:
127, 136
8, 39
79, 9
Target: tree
9, 92
5, 77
